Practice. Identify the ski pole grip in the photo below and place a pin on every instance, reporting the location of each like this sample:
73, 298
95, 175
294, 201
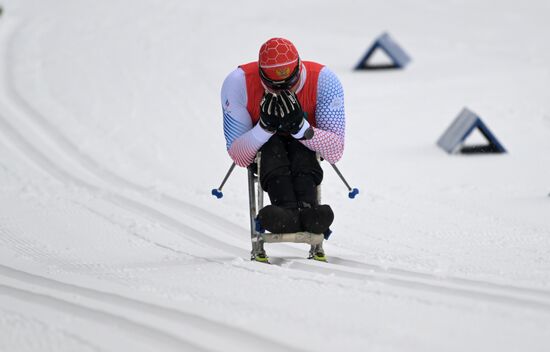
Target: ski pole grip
353, 193
308, 134
217, 193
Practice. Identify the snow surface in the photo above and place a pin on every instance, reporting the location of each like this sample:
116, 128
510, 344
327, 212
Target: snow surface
111, 139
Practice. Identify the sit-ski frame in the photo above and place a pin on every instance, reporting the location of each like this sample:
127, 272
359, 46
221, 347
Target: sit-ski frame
256, 200
258, 236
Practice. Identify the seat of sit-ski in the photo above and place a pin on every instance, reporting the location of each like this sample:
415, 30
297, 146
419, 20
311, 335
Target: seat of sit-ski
295, 237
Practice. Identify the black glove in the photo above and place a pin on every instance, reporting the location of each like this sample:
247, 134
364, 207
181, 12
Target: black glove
269, 112
292, 115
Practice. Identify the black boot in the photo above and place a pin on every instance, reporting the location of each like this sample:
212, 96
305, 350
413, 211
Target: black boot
276, 219
316, 219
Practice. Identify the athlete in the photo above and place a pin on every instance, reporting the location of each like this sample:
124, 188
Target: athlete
290, 110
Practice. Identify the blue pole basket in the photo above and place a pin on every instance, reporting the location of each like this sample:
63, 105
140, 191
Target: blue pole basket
217, 193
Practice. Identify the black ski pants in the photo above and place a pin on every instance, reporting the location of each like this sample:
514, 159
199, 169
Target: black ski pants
289, 172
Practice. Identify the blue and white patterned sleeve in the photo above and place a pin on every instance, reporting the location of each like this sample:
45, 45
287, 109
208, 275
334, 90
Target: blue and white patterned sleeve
242, 139
329, 136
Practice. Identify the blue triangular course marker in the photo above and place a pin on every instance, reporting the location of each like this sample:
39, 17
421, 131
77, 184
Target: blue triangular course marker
384, 42
452, 141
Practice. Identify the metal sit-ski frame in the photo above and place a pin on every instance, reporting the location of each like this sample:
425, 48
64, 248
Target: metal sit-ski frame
258, 235
256, 200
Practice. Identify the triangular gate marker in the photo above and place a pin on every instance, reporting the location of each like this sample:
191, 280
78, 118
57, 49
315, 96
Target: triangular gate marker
384, 42
452, 141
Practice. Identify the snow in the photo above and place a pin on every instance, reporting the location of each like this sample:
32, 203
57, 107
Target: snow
111, 139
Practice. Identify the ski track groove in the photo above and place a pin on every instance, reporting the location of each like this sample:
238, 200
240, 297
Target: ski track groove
232, 335
452, 288
169, 341
36, 328
528, 297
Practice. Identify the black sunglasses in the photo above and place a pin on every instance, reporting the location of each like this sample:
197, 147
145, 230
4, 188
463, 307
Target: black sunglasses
286, 83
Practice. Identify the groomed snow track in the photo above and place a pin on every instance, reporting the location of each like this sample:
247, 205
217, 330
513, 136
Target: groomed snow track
35, 136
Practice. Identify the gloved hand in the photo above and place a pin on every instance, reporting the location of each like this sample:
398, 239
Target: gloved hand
269, 112
292, 115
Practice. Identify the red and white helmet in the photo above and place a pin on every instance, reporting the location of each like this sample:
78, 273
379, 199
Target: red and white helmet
279, 63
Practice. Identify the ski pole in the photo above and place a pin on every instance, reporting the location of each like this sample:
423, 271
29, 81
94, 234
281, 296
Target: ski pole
217, 192
352, 191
